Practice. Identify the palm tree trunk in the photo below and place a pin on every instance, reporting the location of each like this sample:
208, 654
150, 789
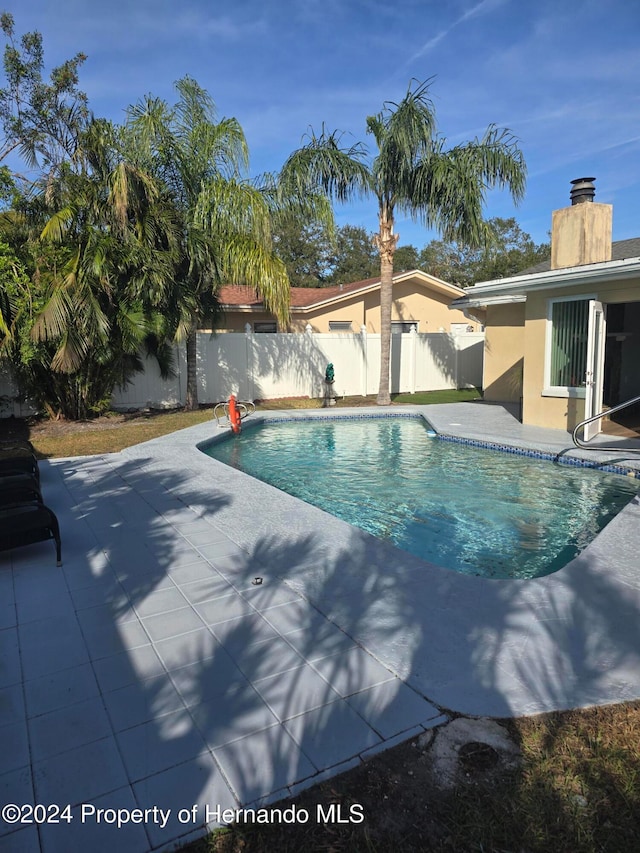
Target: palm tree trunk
386, 241
191, 400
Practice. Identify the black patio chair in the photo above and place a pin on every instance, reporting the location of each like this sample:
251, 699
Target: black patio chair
19, 489
20, 444
29, 523
12, 465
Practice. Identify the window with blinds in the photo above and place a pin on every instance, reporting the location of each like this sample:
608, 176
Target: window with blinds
402, 327
569, 323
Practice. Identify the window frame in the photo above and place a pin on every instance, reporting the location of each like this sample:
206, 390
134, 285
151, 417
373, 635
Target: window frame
549, 390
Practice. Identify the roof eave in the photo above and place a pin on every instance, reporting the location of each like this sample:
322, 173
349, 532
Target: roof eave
231, 306
428, 280
501, 290
466, 302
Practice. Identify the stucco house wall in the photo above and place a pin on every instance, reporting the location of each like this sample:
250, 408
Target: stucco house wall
504, 353
350, 309
541, 407
417, 297
585, 265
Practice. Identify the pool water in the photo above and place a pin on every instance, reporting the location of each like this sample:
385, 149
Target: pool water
476, 511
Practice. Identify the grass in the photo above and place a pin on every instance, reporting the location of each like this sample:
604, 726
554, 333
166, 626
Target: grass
421, 398
113, 432
577, 790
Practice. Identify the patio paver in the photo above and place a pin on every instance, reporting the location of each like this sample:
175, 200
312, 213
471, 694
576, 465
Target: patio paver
151, 671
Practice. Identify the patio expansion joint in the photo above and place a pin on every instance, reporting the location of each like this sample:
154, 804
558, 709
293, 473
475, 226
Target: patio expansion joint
27, 730
360, 758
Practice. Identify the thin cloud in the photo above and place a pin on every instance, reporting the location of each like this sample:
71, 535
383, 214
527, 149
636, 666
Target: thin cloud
569, 153
197, 24
478, 9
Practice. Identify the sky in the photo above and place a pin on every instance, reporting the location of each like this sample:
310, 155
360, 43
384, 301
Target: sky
562, 75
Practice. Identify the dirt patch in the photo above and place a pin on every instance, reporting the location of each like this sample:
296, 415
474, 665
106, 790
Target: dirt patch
407, 796
41, 426
472, 750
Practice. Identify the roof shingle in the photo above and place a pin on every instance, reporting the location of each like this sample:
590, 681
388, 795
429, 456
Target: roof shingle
620, 251
301, 297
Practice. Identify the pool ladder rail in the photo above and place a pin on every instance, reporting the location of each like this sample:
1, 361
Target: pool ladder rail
603, 414
226, 412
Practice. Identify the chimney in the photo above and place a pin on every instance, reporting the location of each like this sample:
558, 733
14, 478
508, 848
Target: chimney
582, 190
581, 233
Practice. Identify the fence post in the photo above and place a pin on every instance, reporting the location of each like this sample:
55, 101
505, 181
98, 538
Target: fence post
308, 329
456, 341
249, 357
364, 364
413, 339
182, 400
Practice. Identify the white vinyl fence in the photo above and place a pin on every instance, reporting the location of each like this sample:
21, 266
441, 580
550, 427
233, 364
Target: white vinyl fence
11, 402
267, 366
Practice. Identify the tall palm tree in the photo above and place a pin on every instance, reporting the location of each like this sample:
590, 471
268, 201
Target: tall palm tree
224, 221
413, 173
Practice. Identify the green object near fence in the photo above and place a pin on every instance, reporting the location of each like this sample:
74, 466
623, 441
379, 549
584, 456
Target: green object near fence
329, 375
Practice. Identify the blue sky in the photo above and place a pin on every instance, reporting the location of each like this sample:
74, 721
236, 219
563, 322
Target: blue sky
562, 75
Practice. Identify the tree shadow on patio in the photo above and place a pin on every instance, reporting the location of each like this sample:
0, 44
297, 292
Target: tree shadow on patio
221, 691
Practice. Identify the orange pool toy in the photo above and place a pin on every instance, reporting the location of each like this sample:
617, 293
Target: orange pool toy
234, 414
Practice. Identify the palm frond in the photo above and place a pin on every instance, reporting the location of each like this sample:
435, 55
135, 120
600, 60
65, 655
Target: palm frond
323, 164
246, 262
451, 185
225, 206
58, 224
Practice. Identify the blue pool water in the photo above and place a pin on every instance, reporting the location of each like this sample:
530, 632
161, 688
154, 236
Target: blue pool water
476, 511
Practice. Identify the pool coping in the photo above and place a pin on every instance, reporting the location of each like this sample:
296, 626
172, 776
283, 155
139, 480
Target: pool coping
569, 456
464, 681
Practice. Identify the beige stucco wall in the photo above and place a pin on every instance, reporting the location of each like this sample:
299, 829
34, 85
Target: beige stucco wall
541, 409
581, 234
503, 352
429, 307
351, 309
411, 302
235, 321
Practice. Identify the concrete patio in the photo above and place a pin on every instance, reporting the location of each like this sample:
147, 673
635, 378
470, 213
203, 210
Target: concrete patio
152, 671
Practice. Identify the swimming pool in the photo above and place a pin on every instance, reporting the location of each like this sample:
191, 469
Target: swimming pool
476, 511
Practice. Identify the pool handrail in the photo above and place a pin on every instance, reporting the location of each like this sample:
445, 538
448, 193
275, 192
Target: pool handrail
245, 407
603, 414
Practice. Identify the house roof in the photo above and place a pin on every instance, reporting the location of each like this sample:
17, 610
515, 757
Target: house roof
620, 251
625, 263
241, 297
301, 297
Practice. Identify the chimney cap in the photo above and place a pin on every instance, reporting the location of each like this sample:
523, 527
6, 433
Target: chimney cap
582, 190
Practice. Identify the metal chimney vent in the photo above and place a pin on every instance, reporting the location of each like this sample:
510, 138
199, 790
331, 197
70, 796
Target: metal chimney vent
582, 190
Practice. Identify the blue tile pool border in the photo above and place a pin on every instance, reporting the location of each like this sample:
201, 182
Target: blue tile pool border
558, 458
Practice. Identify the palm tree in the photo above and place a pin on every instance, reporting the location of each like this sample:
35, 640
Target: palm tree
223, 221
415, 174
103, 243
